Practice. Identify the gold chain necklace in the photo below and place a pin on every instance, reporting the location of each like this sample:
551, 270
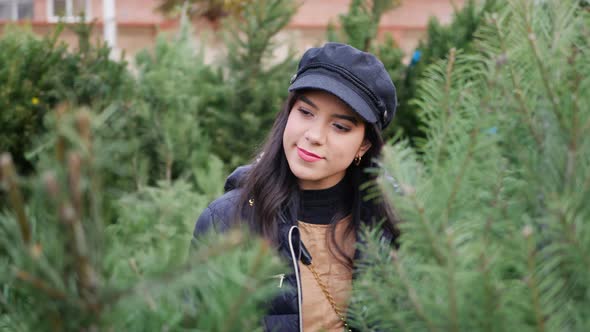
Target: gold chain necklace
329, 297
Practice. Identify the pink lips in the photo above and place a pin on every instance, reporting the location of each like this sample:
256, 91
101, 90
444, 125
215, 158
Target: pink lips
307, 156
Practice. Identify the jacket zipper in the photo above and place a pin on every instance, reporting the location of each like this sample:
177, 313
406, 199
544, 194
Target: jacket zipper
281, 278
297, 278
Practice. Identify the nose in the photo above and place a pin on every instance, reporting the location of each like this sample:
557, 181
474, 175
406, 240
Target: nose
315, 134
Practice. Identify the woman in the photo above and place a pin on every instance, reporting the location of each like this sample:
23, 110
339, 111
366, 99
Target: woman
303, 193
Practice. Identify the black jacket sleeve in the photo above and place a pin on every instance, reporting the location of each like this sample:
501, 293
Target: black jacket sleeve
217, 217
204, 223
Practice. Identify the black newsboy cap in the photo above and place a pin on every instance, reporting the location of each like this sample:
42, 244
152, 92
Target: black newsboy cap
356, 77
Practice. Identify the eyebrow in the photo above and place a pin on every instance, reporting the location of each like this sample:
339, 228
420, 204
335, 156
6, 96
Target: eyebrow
352, 119
346, 117
307, 101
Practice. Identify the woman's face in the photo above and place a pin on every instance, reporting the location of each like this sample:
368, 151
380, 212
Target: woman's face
321, 139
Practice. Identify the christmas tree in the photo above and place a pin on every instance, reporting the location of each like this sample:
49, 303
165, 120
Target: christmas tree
495, 232
174, 89
439, 39
360, 24
256, 80
40, 73
64, 268
98, 238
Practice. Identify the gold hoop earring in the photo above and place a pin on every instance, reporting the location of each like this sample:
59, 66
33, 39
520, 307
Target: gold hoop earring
357, 160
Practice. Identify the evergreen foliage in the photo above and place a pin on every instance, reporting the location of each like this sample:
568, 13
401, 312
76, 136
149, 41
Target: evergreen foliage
440, 39
91, 77
255, 82
175, 87
97, 235
211, 9
29, 73
38, 74
494, 204
459, 34
100, 239
360, 24
405, 123
63, 269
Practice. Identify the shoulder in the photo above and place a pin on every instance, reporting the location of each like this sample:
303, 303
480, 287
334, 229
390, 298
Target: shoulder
236, 178
219, 215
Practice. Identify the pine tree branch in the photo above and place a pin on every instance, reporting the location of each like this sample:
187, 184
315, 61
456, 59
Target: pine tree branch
586, 126
148, 299
544, 74
570, 234
245, 291
75, 163
426, 225
517, 89
461, 173
39, 284
532, 280
586, 186
169, 160
60, 143
4, 306
8, 176
377, 295
411, 291
490, 295
14, 324
72, 213
570, 162
54, 193
84, 126
490, 86
74, 170
484, 267
232, 240
447, 107
573, 147
86, 276
451, 283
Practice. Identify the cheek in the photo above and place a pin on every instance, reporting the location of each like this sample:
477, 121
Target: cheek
348, 147
287, 131
288, 135
291, 130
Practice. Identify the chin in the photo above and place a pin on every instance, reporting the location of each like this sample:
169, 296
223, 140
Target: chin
303, 172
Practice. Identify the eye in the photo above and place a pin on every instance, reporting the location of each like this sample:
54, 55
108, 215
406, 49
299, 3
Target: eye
305, 112
341, 128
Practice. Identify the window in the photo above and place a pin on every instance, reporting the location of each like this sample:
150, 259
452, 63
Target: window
13, 10
67, 10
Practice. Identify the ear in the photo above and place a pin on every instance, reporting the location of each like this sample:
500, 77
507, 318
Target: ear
365, 146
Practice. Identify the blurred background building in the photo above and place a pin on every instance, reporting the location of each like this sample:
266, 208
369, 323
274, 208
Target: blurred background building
138, 22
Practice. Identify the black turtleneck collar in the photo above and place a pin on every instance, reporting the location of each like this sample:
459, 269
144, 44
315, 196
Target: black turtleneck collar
324, 206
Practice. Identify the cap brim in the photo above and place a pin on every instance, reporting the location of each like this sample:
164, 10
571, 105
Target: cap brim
340, 90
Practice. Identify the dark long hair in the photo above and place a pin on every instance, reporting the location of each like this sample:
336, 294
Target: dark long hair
271, 193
